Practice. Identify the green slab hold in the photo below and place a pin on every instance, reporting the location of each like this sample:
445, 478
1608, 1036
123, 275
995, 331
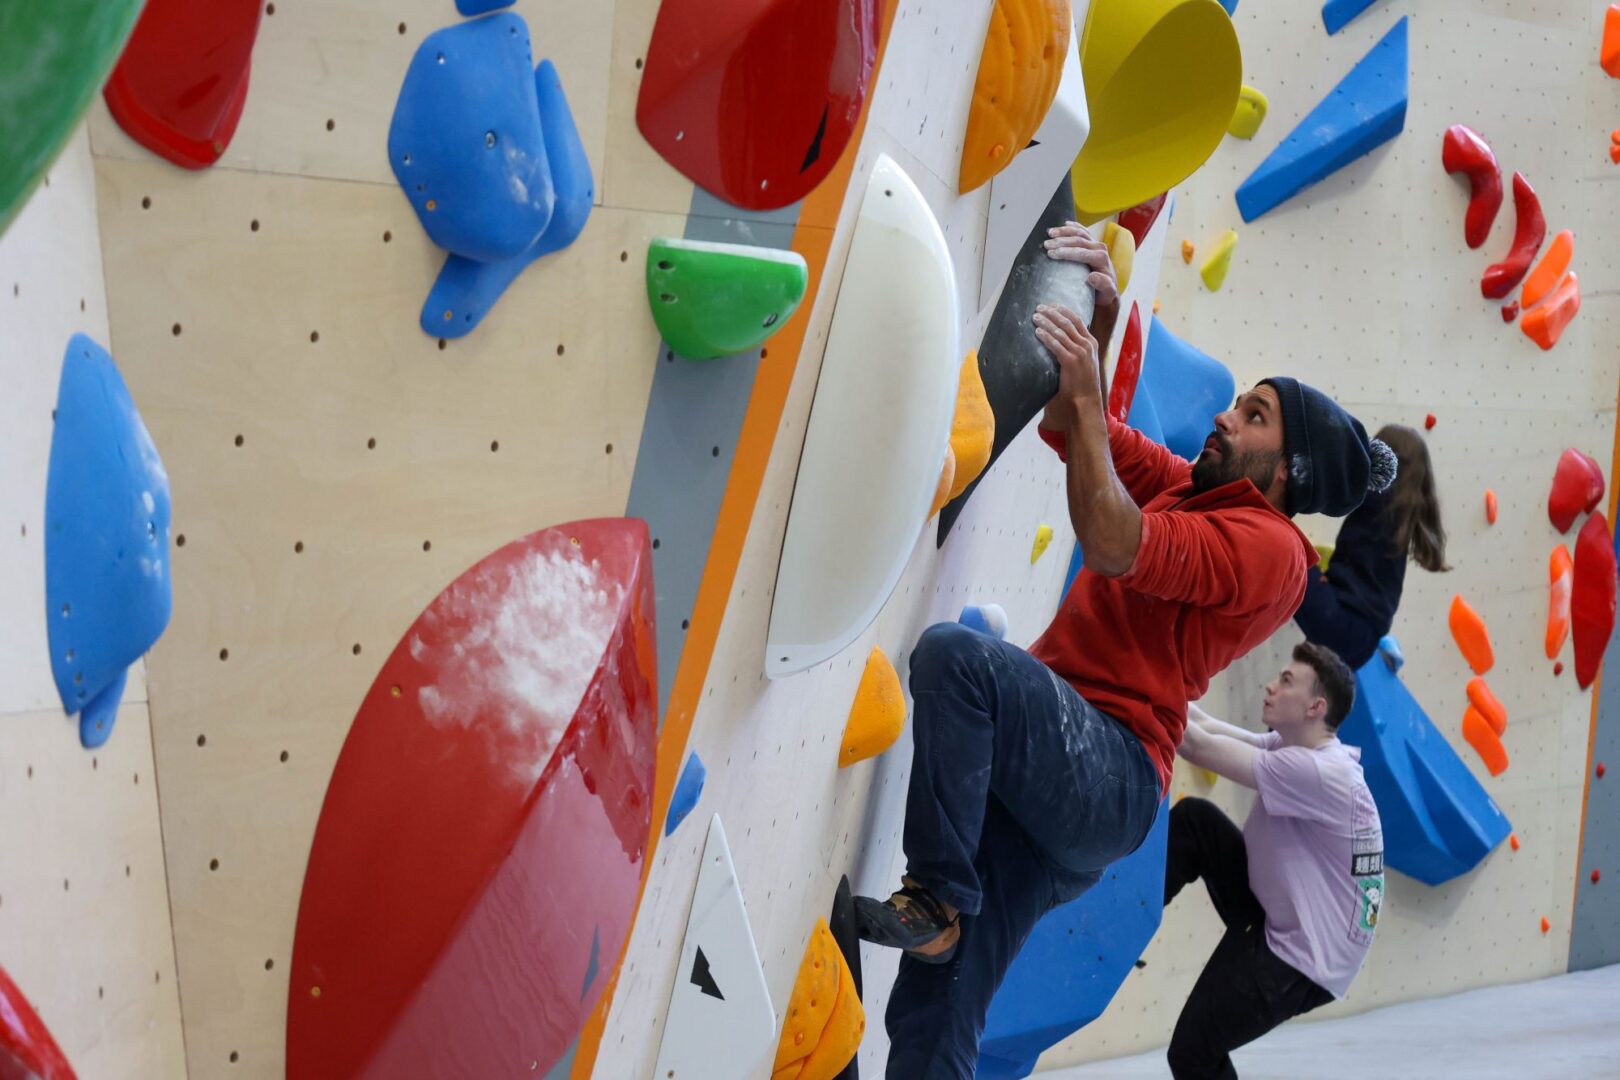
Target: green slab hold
714, 300
54, 56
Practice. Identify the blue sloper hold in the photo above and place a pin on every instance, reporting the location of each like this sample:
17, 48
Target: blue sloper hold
107, 588
687, 790
1366, 110
1075, 960
1438, 821
465, 142
467, 288
100, 713
1390, 650
481, 7
988, 619
1185, 388
1336, 13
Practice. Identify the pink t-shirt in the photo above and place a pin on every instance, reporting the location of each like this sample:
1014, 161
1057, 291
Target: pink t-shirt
1316, 858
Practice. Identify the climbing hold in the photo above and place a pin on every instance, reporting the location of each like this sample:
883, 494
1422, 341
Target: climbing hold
1429, 422
1390, 649
1127, 369
181, 82
1550, 270
1365, 110
1019, 68
1184, 388
1249, 114
687, 791
1486, 704
1609, 49
1209, 775
107, 586
1510, 311
1465, 150
714, 300
27, 1049
1156, 305
1471, 636
1140, 218
466, 288
1121, 252
1592, 598
1547, 322
466, 144
1162, 78
1219, 262
986, 619
942, 486
1043, 539
1483, 738
1614, 152
973, 426
481, 7
1558, 668
1560, 583
54, 56
878, 713
825, 1018
1513, 841
1576, 488
1336, 13
1529, 230
1490, 506
753, 102
1600, 770
1545, 925
1187, 250
1597, 875
100, 713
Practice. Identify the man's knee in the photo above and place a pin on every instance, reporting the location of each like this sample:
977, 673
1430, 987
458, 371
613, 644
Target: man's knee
941, 653
1187, 812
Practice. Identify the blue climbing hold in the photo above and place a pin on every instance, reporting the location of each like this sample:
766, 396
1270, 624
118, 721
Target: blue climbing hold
465, 142
986, 619
100, 713
1390, 650
468, 288
1336, 13
1075, 960
1438, 821
107, 588
481, 7
1230, 6
687, 790
1185, 389
1366, 110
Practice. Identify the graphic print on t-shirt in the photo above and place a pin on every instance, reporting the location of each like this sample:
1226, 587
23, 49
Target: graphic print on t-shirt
1367, 867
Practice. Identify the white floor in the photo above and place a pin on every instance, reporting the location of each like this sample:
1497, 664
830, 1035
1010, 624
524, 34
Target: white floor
1563, 1028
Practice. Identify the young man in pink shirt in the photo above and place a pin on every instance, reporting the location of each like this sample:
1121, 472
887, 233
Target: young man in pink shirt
1301, 885
1033, 771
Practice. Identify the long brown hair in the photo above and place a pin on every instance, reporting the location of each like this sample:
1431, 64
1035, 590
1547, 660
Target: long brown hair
1414, 506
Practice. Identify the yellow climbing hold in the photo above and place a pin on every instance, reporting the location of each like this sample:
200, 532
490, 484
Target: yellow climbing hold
1155, 305
1121, 251
973, 429
1219, 262
1019, 68
825, 1019
1209, 775
942, 490
1187, 250
1249, 114
1326, 553
1043, 539
878, 714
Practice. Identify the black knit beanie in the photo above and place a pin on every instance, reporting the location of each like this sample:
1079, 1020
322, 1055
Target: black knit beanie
1331, 462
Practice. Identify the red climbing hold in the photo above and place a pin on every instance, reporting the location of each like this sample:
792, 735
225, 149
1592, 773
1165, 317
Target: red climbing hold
1547, 322
1576, 488
1140, 218
1600, 770
1609, 48
1490, 506
1429, 422
1558, 668
1528, 233
1466, 151
1510, 312
1127, 369
27, 1050
1591, 605
1596, 875
181, 83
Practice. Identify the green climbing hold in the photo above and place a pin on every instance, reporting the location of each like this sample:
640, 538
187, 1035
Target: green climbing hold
713, 300
53, 58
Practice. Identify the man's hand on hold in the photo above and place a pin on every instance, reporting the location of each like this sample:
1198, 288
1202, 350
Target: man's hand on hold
1075, 350
1073, 242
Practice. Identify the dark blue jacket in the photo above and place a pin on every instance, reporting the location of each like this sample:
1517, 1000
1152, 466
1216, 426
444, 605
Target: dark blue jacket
1353, 605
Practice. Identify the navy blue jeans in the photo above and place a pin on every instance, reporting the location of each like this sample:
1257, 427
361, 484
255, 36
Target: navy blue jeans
1022, 793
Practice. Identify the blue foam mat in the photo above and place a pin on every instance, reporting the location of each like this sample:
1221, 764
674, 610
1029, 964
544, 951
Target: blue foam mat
465, 142
687, 791
107, 589
467, 289
1366, 110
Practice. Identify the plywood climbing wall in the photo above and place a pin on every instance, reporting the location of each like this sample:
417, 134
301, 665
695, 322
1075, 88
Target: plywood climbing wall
84, 900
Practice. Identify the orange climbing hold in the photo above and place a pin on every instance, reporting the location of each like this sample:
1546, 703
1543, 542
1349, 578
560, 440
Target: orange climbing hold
1187, 250
1477, 730
1544, 325
878, 714
1490, 506
942, 489
1609, 52
973, 428
1472, 637
825, 1019
1019, 68
1513, 841
1545, 925
1550, 270
1482, 701
1560, 582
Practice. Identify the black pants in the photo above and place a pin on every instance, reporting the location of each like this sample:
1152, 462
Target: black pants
1244, 990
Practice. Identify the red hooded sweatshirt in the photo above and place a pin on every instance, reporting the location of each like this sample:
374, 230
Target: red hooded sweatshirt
1217, 573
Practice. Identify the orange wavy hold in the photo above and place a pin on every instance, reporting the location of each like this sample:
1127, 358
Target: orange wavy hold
1019, 69
1546, 323
1477, 730
1482, 701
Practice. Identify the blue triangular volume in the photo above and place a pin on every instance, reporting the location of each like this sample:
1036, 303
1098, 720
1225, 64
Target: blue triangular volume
1438, 820
1366, 110
1185, 388
687, 790
1336, 13
107, 588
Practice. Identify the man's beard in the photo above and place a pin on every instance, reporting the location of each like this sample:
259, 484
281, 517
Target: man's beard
1258, 466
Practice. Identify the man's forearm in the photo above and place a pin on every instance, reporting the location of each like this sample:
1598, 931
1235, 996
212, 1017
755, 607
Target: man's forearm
1221, 727
1106, 520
